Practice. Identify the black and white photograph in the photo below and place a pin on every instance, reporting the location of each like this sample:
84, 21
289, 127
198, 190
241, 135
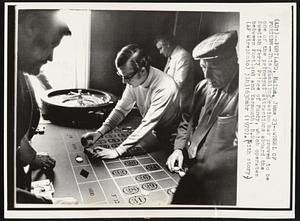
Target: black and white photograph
152, 109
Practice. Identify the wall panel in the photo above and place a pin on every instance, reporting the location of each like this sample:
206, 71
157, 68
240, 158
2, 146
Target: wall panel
111, 30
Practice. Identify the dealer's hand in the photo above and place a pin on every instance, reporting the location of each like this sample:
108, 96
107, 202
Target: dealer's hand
43, 161
104, 153
90, 138
176, 156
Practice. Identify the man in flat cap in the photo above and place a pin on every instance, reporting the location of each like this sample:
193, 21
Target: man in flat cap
209, 134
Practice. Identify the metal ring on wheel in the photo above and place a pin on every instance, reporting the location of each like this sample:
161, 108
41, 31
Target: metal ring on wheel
77, 107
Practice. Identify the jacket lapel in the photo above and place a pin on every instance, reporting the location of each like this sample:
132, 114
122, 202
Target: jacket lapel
218, 109
223, 101
204, 125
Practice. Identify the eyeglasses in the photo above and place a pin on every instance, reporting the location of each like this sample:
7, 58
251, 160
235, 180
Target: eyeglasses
127, 77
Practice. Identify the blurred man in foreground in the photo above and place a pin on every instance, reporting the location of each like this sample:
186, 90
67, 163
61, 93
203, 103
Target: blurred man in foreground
39, 32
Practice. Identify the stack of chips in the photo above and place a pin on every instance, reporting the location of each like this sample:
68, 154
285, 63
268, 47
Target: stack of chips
180, 171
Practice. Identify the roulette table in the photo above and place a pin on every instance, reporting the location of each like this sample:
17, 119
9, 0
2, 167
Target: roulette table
138, 178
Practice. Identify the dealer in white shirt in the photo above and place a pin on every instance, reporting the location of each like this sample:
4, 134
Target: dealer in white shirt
155, 94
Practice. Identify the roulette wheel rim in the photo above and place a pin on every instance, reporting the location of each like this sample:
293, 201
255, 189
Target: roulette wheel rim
77, 106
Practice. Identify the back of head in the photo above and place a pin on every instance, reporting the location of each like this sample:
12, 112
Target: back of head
42, 19
169, 38
39, 32
135, 54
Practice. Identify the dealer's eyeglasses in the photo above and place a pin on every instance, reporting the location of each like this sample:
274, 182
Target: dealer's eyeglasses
127, 77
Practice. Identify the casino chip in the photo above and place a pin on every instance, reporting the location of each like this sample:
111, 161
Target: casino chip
179, 171
79, 159
171, 191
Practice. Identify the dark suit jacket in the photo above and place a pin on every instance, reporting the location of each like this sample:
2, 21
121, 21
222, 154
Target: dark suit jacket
27, 121
212, 177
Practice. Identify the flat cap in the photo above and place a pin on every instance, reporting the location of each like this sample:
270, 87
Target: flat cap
220, 45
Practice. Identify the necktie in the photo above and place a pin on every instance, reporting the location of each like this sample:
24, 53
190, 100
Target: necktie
204, 118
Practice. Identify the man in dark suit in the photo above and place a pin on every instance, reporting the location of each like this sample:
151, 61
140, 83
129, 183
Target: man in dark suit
209, 133
39, 32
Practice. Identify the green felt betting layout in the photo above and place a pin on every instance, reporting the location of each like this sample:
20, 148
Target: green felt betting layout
136, 179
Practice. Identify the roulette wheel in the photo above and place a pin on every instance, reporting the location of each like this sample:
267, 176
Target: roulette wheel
77, 107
